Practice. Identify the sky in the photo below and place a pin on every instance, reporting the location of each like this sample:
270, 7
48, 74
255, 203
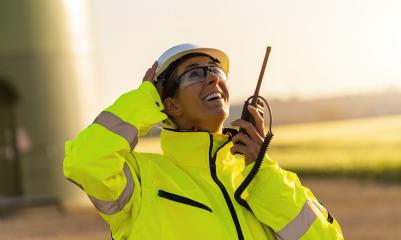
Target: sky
319, 48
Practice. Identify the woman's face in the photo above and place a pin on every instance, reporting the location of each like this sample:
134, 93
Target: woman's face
203, 105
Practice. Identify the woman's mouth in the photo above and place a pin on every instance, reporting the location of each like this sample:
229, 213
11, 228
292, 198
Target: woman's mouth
213, 96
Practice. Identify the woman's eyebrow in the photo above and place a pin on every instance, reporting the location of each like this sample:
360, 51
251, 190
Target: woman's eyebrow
191, 66
196, 65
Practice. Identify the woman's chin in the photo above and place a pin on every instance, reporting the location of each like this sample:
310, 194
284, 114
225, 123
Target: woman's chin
218, 106
219, 113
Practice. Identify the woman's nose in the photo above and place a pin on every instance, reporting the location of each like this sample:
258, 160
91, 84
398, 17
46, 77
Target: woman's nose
212, 77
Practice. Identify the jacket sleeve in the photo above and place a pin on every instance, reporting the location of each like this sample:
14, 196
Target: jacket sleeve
279, 201
99, 159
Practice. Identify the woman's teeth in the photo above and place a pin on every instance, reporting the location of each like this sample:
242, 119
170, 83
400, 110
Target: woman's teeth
213, 96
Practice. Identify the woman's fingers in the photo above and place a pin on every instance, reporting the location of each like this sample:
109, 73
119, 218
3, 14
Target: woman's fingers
251, 147
242, 138
249, 144
257, 114
146, 77
250, 153
237, 148
250, 130
150, 73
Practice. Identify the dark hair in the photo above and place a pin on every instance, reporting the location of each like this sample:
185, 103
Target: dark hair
167, 77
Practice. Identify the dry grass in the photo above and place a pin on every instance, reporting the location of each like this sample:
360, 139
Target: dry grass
369, 148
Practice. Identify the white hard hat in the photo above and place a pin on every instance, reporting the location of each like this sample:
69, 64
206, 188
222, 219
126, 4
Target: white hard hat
180, 50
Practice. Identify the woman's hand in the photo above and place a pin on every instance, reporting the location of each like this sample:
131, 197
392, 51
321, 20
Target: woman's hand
249, 144
150, 74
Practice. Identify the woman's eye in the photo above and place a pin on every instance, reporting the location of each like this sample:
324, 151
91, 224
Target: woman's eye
194, 74
215, 71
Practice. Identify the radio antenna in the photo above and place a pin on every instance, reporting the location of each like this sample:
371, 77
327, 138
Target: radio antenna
262, 72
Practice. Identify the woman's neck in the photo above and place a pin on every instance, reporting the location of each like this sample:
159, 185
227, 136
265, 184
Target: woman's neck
211, 127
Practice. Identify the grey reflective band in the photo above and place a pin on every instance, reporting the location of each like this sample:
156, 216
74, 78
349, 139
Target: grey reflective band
112, 207
118, 126
301, 223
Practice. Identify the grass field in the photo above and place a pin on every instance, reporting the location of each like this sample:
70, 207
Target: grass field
367, 148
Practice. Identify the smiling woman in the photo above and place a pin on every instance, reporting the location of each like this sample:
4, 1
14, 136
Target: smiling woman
187, 191
199, 98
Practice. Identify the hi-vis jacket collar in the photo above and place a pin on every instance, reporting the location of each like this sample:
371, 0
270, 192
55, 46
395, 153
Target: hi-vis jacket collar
201, 146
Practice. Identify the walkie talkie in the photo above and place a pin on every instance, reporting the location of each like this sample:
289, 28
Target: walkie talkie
254, 100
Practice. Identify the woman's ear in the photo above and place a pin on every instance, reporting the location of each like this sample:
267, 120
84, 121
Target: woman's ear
171, 107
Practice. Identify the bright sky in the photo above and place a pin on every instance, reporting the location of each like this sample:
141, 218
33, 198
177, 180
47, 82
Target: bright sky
319, 47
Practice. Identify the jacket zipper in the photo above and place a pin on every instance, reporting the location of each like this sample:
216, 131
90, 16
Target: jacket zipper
212, 164
181, 199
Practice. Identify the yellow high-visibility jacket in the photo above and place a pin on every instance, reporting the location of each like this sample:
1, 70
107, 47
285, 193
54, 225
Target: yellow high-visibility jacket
187, 192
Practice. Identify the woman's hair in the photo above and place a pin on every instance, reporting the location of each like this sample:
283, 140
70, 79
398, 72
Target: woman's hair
168, 77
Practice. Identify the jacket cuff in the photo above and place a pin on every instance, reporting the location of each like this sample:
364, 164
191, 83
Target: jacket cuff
141, 108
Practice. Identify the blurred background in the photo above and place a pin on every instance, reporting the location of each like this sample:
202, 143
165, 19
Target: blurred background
333, 81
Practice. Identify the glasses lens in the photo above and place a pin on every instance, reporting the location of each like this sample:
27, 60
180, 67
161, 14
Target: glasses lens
219, 72
199, 74
192, 76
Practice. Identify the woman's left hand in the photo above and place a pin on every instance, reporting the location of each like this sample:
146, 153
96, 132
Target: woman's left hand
150, 73
249, 144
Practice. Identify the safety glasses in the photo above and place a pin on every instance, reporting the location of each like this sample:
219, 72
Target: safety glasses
198, 74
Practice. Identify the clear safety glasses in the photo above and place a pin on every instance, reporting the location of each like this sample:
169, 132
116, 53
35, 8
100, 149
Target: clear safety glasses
198, 74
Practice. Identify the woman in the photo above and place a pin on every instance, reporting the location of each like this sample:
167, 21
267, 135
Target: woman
187, 191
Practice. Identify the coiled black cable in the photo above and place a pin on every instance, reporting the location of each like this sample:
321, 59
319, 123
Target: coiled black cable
258, 161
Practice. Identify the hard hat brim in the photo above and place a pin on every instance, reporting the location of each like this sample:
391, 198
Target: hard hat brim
215, 53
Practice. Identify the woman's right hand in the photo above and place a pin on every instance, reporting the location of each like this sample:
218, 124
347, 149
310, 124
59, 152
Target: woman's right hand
150, 74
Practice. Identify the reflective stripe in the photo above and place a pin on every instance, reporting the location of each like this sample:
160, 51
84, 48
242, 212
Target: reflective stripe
112, 207
301, 223
118, 126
